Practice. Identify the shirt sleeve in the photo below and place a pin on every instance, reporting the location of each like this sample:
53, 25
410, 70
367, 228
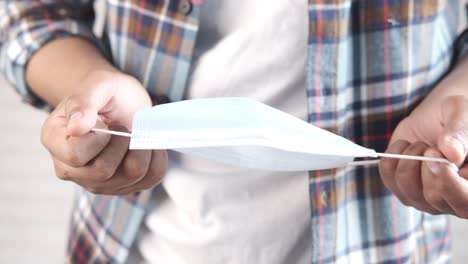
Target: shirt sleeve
27, 25
460, 47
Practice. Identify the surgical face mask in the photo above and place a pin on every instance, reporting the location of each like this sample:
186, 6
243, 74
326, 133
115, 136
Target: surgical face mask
245, 133
242, 132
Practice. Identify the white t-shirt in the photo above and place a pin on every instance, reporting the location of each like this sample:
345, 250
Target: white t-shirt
206, 212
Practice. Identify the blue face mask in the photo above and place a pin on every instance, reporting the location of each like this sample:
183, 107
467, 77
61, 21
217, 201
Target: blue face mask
242, 132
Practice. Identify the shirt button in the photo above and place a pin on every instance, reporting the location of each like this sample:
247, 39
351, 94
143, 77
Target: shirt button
184, 7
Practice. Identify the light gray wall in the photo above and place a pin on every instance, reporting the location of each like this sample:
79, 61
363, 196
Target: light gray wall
34, 205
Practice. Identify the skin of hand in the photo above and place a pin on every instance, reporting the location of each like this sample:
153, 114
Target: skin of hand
87, 91
102, 164
438, 127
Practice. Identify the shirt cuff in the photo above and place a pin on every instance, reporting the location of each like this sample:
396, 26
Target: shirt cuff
460, 48
19, 50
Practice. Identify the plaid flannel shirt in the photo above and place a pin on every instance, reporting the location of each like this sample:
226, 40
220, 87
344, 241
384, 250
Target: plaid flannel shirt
369, 63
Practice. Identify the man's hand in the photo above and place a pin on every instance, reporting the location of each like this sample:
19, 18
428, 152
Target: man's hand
101, 163
433, 130
438, 127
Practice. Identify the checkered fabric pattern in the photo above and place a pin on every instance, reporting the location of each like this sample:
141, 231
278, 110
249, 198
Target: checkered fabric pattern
369, 63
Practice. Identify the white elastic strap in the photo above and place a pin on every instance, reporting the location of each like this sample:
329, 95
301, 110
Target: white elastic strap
399, 156
353, 163
363, 162
110, 132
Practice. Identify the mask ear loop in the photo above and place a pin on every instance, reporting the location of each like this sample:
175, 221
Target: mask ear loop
363, 162
111, 132
398, 156
352, 163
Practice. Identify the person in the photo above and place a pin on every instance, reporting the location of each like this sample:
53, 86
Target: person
381, 73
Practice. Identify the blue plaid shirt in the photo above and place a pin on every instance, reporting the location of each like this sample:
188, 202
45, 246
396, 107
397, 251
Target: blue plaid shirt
369, 63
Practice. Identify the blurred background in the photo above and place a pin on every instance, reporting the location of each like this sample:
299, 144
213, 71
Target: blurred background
35, 206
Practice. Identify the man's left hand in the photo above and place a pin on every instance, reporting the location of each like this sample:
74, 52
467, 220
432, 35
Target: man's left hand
437, 128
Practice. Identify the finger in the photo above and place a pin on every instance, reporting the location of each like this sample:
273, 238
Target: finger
73, 151
463, 171
453, 143
453, 188
82, 110
404, 131
153, 177
388, 166
408, 179
131, 170
435, 183
99, 169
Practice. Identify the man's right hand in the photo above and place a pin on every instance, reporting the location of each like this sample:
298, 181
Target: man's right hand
100, 163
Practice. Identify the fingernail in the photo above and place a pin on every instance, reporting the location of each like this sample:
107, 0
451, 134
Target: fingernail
434, 167
456, 143
454, 167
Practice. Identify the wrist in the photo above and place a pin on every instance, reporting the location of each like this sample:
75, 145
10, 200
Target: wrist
112, 81
54, 71
453, 85
455, 81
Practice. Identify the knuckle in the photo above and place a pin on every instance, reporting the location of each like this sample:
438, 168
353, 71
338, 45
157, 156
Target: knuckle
433, 197
411, 192
161, 171
386, 167
416, 148
159, 174
158, 168
405, 169
154, 179
454, 100
405, 201
163, 157
63, 175
101, 175
71, 102
71, 155
43, 138
99, 189
126, 192
387, 181
150, 181
414, 196
432, 211
443, 186
130, 192
162, 162
94, 190
463, 214
102, 170
73, 159
134, 168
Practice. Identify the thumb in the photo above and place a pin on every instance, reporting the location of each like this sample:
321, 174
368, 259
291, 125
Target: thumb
82, 110
453, 142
